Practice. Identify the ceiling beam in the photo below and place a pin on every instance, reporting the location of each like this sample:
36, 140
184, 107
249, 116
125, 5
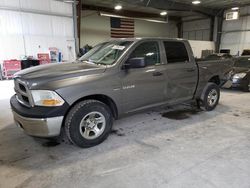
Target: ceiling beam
172, 5
127, 13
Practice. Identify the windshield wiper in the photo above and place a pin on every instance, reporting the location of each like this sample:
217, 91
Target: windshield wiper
99, 63
93, 62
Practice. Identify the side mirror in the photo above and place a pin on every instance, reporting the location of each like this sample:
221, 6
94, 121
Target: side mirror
137, 62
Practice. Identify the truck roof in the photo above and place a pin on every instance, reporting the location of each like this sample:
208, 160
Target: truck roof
147, 38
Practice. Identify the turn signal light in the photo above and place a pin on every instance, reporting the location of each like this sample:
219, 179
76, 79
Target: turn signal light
51, 102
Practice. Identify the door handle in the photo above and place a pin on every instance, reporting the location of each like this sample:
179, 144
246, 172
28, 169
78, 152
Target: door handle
157, 74
190, 70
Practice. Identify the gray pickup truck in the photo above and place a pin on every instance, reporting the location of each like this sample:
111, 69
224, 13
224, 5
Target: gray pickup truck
81, 99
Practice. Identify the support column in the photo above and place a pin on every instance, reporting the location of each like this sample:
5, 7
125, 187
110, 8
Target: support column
219, 31
212, 20
74, 4
180, 29
79, 17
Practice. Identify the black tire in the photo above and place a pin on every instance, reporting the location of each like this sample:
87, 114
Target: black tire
206, 103
74, 129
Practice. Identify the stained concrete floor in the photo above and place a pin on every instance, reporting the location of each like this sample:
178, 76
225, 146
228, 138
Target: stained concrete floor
150, 149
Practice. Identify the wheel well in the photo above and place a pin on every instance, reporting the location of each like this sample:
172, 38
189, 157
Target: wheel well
102, 98
215, 79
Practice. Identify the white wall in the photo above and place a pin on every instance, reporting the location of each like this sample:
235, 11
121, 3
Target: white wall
197, 29
198, 46
25, 33
237, 41
95, 29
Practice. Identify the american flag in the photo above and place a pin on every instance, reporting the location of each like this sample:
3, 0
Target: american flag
122, 27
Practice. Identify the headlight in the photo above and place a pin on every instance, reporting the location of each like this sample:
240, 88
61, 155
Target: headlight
239, 75
46, 98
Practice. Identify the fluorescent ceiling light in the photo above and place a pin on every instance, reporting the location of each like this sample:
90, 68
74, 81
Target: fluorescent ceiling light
163, 13
68, 1
235, 8
196, 2
144, 19
118, 7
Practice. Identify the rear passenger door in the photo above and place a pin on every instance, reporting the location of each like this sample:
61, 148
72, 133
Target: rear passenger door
181, 71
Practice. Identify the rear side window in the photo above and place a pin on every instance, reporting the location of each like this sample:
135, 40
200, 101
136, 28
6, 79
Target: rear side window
148, 50
176, 52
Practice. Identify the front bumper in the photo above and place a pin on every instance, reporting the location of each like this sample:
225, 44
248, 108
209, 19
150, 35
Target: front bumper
239, 83
41, 127
38, 121
236, 83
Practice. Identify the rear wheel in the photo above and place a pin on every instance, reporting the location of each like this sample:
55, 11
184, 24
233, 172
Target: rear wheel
210, 97
88, 123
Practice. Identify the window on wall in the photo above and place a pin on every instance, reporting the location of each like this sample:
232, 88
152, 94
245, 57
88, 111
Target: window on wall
148, 50
176, 52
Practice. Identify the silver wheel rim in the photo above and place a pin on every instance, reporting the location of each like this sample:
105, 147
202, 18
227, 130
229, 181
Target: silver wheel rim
212, 97
92, 125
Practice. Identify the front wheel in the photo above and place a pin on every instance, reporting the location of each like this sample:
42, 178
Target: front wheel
88, 123
210, 97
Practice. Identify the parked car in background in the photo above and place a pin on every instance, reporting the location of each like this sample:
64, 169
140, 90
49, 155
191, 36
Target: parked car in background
79, 100
239, 77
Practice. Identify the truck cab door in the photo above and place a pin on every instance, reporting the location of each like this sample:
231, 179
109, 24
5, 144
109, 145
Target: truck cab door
144, 86
181, 71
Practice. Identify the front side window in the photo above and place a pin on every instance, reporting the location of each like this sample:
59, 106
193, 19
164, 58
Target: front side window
176, 52
149, 51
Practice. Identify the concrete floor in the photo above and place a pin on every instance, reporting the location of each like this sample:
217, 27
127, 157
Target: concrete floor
151, 149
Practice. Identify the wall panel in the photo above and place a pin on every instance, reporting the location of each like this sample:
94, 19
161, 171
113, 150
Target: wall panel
12, 47
198, 29
25, 33
36, 4
236, 33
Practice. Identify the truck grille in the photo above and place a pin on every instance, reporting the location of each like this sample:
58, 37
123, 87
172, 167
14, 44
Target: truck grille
22, 93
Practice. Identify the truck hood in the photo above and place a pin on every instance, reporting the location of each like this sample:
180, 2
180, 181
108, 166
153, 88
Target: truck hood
59, 70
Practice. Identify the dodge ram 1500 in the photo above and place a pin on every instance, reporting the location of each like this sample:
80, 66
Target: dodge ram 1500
115, 78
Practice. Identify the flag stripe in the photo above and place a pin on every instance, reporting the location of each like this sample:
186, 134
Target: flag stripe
128, 26
127, 23
122, 36
122, 29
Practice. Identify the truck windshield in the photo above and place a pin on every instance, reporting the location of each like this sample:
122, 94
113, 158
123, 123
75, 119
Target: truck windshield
243, 62
106, 53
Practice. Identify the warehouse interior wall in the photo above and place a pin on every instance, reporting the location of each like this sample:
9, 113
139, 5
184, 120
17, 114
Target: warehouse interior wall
28, 27
152, 29
236, 33
95, 29
197, 47
196, 28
